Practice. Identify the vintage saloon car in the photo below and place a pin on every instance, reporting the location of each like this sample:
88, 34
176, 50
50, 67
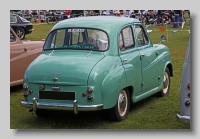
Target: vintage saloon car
22, 53
95, 63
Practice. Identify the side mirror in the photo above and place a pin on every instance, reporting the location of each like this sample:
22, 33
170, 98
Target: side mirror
163, 38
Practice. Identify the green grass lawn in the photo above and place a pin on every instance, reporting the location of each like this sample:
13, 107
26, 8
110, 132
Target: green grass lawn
151, 113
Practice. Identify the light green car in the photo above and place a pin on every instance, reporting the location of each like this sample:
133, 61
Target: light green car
96, 63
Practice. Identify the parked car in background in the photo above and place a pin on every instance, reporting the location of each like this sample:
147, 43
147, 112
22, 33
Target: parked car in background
41, 16
185, 87
96, 63
22, 53
20, 25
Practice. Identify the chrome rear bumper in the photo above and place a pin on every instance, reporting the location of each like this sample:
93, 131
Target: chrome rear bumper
183, 117
64, 107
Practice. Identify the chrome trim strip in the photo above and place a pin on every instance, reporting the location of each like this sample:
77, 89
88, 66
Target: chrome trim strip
56, 88
65, 107
183, 117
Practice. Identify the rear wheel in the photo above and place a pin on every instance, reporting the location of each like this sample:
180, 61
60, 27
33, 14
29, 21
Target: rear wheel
166, 83
48, 20
20, 33
120, 111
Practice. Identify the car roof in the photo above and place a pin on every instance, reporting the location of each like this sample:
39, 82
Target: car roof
106, 23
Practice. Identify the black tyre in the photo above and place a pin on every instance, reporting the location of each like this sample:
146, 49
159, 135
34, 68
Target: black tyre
48, 20
20, 33
120, 111
43, 113
166, 84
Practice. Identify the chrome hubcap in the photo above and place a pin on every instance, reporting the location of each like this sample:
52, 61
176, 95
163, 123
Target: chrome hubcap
165, 82
20, 33
122, 103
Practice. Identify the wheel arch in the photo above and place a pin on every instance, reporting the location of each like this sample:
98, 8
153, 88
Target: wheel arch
170, 67
131, 92
22, 28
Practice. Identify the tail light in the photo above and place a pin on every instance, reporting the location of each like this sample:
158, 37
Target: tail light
25, 87
25, 94
187, 103
188, 86
89, 97
89, 90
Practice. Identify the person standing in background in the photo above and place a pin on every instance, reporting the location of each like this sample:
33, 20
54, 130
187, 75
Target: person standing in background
160, 17
68, 13
178, 17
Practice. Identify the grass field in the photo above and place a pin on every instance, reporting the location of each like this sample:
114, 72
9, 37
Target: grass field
151, 113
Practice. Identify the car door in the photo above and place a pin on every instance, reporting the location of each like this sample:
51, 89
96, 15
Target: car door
148, 58
18, 58
33, 50
130, 58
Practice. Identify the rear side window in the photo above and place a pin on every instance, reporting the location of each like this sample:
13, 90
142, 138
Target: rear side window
126, 39
13, 19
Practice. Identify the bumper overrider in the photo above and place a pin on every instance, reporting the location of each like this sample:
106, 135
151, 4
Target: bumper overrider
183, 117
63, 107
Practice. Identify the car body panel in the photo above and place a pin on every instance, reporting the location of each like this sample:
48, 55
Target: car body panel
21, 55
107, 72
55, 64
184, 91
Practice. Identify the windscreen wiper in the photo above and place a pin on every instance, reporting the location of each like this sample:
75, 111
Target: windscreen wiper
51, 52
89, 53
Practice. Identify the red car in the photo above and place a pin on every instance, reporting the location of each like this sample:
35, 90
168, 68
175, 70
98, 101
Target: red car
22, 53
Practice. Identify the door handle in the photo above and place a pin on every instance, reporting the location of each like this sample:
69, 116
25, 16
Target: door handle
142, 54
124, 60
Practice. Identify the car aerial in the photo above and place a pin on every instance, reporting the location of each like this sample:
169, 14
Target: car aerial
20, 25
96, 63
185, 87
22, 53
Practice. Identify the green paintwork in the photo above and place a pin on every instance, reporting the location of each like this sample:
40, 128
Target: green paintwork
103, 71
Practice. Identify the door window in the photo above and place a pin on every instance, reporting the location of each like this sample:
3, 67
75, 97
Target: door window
142, 38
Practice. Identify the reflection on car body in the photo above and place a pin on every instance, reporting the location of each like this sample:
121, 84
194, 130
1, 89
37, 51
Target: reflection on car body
22, 53
94, 73
20, 25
